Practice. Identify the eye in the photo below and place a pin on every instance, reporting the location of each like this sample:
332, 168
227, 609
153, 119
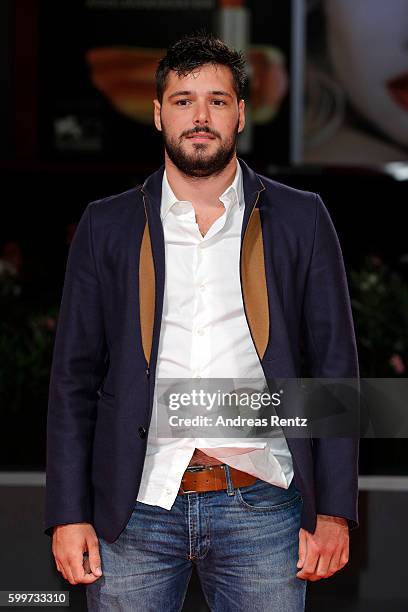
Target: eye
181, 102
219, 102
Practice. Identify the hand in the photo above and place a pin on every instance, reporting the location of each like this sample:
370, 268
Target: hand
69, 543
324, 552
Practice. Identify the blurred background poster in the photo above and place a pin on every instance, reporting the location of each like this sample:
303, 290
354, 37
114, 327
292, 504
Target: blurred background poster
97, 60
356, 77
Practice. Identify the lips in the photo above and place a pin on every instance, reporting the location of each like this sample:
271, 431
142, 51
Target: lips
398, 88
201, 136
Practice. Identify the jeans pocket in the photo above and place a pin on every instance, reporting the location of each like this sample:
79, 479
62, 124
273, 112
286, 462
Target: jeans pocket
265, 497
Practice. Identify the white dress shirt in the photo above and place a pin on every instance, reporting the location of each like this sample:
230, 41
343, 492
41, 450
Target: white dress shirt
204, 333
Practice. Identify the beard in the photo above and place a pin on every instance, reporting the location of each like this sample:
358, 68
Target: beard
199, 163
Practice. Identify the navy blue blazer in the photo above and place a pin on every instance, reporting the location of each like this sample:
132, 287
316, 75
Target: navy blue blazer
295, 296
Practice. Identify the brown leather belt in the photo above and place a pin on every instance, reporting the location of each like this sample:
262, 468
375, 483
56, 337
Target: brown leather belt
200, 478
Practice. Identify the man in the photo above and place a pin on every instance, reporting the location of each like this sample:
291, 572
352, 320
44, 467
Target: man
210, 270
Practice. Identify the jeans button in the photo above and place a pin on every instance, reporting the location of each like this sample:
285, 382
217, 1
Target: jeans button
142, 432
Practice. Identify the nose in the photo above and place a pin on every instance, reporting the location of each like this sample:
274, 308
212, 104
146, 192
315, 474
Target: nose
201, 115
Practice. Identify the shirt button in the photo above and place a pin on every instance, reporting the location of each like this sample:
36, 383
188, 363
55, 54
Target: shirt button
202, 287
200, 332
168, 491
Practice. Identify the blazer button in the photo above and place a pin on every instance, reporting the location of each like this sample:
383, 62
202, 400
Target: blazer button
142, 432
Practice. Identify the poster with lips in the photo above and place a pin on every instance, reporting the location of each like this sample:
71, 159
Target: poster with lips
356, 82
97, 73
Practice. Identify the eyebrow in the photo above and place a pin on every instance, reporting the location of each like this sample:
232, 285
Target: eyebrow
214, 92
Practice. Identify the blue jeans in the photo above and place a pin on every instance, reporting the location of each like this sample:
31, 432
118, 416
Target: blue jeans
243, 541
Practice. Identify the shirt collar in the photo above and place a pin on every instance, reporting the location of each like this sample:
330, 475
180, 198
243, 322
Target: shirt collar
234, 194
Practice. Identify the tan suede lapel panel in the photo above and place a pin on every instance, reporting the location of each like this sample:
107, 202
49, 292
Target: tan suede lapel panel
254, 288
147, 292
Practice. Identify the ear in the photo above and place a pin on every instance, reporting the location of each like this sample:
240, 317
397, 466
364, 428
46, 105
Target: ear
241, 111
157, 118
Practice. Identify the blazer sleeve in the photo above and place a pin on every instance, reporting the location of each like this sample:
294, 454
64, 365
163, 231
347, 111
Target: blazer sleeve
331, 353
76, 373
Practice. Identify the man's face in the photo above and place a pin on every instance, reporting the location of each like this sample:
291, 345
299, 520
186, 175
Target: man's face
200, 119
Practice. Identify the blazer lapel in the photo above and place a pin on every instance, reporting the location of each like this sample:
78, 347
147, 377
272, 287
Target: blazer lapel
152, 266
252, 263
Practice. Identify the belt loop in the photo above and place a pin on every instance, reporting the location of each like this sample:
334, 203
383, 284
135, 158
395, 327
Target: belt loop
230, 486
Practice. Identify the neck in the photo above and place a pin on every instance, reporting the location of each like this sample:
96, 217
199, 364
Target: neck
201, 191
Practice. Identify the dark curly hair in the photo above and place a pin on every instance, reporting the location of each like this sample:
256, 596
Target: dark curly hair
197, 49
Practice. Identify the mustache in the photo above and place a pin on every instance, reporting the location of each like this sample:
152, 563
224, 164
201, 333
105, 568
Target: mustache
198, 130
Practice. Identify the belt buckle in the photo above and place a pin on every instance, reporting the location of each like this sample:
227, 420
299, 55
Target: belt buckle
191, 468
196, 468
